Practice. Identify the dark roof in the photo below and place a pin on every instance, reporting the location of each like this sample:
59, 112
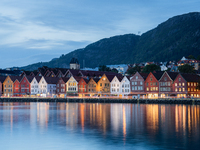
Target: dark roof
38, 78
86, 80
172, 75
158, 74
51, 80
190, 77
96, 79
119, 78
74, 61
64, 79
77, 78
13, 78
30, 78
110, 77
144, 75
2, 78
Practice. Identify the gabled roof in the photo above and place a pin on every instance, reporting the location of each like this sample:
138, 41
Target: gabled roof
110, 77
38, 78
77, 78
190, 77
86, 80
51, 80
143, 75
30, 78
13, 78
158, 74
64, 79
2, 78
172, 75
95, 79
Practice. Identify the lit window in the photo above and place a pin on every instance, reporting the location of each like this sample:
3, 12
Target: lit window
176, 90
191, 84
179, 84
183, 89
175, 84
188, 84
179, 89
183, 84
194, 84
188, 89
147, 89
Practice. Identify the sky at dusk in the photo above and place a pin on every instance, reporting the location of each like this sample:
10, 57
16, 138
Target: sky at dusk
38, 30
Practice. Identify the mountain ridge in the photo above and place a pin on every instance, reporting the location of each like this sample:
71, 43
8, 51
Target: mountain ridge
170, 40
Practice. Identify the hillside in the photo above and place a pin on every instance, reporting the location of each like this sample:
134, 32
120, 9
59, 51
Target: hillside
178, 36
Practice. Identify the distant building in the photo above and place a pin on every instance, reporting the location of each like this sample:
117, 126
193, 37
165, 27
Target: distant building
74, 64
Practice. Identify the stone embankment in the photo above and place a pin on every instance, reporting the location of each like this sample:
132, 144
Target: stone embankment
105, 100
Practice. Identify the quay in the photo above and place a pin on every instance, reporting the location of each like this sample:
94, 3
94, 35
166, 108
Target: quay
104, 100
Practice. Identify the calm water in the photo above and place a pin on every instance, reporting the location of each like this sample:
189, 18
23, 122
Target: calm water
50, 126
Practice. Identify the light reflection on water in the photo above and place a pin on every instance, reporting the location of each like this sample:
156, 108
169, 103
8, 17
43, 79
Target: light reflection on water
98, 126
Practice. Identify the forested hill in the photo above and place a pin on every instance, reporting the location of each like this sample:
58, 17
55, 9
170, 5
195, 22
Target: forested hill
178, 36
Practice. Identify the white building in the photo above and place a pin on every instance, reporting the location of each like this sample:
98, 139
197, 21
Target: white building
72, 84
125, 86
115, 85
35, 85
47, 86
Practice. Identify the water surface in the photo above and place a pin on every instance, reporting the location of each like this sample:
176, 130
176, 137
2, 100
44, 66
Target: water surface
61, 126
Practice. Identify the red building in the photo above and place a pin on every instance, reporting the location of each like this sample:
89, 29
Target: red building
82, 86
137, 83
25, 84
166, 82
16, 87
61, 86
192, 81
152, 84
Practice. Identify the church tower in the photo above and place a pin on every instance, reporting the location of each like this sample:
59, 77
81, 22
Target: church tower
74, 64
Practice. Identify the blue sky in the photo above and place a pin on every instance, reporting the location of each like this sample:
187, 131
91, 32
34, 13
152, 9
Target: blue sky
38, 30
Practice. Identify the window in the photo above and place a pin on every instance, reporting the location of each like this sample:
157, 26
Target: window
147, 89
183, 89
147, 84
135, 83
179, 89
179, 79
175, 84
191, 84
100, 84
135, 87
165, 79
188, 89
179, 84
183, 84
176, 89
188, 84
150, 79
194, 84
140, 82
136, 77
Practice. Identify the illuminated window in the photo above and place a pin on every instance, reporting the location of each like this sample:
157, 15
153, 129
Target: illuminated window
175, 84
183, 89
179, 84
195, 89
147, 89
188, 84
188, 89
194, 84
179, 89
176, 90
191, 84
156, 88
183, 84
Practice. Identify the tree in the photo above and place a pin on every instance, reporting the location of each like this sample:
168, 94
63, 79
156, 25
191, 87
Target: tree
186, 68
133, 70
191, 57
114, 70
151, 68
198, 57
104, 68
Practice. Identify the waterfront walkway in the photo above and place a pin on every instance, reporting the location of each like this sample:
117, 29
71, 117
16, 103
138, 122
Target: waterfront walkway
103, 100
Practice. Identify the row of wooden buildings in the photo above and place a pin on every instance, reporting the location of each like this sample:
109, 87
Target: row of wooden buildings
96, 83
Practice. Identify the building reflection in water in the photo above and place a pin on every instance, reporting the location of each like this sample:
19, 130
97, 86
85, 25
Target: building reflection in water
123, 121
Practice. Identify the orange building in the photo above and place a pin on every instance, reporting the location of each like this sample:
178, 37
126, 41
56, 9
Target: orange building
92, 86
8, 85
